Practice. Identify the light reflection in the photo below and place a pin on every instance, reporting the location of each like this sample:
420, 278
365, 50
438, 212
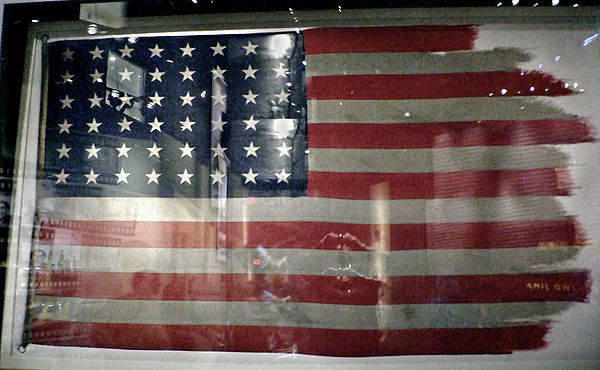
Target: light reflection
503, 91
589, 40
92, 29
279, 45
284, 128
555, 2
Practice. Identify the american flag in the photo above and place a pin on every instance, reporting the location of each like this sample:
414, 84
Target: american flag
335, 191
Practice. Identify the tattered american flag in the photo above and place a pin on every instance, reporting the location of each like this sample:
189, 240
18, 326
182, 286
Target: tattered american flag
335, 191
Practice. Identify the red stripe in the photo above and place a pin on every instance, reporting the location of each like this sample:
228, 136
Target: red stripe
388, 39
541, 181
317, 235
434, 86
316, 289
328, 342
450, 134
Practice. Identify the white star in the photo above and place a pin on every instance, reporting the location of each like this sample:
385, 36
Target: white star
250, 176
64, 127
185, 177
187, 99
218, 151
218, 49
187, 124
126, 99
280, 71
250, 48
218, 73
217, 177
218, 98
126, 51
91, 177
92, 151
284, 150
63, 151
123, 151
250, 97
218, 124
67, 54
187, 74
283, 96
155, 52
249, 72
67, 77
95, 100
282, 176
186, 151
125, 124
187, 50
156, 99
96, 53
154, 151
156, 75
66, 102
125, 75
251, 150
93, 126
153, 177
62, 176
155, 125
96, 76
122, 176
251, 123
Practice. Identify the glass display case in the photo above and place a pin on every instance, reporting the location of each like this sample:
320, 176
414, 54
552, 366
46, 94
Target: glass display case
365, 187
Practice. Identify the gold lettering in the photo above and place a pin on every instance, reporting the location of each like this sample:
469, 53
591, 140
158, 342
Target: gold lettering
538, 286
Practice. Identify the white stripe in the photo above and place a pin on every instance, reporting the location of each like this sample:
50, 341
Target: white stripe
291, 261
414, 63
410, 211
293, 314
434, 160
431, 110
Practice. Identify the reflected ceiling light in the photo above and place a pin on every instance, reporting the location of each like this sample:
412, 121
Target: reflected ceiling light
92, 29
555, 2
35, 21
279, 45
589, 40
